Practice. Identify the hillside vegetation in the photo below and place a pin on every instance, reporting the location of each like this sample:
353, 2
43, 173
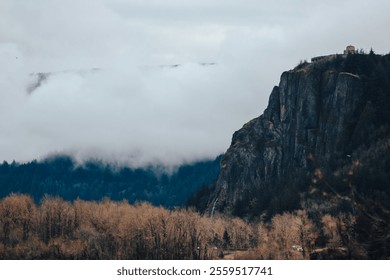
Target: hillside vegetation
93, 180
57, 229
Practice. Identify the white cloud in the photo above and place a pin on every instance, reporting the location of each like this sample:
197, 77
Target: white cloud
136, 110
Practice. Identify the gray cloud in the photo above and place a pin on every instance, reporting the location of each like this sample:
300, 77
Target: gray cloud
133, 111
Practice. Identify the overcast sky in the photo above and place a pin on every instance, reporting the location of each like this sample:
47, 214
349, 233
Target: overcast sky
135, 109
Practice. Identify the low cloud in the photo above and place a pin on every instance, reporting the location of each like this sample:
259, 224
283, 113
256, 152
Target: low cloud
145, 82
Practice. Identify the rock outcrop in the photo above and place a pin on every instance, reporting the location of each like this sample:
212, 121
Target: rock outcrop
319, 111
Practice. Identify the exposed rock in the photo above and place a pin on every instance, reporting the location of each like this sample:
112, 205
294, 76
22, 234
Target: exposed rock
317, 110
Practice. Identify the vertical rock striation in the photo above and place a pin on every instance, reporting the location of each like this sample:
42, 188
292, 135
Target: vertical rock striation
316, 110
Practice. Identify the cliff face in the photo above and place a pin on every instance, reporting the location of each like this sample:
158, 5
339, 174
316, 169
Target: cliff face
318, 111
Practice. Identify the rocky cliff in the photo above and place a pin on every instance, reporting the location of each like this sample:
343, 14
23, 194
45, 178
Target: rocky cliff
323, 113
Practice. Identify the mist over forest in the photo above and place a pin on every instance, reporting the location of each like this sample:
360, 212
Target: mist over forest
194, 129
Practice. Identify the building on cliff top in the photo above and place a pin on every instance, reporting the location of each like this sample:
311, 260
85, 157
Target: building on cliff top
348, 50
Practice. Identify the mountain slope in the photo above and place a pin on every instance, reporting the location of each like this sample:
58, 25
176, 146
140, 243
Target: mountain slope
61, 176
323, 119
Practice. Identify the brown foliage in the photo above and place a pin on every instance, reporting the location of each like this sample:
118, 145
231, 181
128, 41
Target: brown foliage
17, 214
57, 229
289, 236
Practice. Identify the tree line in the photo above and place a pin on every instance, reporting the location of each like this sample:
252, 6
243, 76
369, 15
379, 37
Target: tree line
62, 176
58, 229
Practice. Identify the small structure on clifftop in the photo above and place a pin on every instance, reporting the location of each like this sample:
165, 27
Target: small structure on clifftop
350, 50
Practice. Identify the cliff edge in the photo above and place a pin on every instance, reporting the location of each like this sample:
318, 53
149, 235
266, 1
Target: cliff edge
325, 115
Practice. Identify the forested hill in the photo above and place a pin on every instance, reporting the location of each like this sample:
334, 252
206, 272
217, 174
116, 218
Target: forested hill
93, 180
